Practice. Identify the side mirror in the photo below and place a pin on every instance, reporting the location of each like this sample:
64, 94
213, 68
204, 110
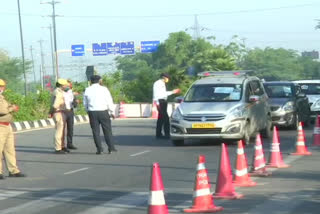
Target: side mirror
301, 95
179, 99
254, 98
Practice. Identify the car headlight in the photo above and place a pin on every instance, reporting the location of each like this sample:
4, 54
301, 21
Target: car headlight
289, 106
237, 112
176, 115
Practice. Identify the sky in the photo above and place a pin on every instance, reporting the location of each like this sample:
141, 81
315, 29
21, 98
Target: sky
269, 23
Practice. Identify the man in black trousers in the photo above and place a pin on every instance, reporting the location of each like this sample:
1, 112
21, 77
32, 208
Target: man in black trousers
98, 102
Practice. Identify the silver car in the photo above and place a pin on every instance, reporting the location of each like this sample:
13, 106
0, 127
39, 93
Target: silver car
222, 105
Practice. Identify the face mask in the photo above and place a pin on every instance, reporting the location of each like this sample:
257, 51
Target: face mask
66, 89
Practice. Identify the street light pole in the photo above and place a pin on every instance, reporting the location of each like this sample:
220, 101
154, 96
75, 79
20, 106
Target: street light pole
22, 50
52, 53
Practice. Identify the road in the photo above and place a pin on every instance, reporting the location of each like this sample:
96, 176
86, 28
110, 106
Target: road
83, 182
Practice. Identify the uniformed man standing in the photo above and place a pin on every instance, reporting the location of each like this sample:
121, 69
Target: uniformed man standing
58, 109
7, 148
160, 95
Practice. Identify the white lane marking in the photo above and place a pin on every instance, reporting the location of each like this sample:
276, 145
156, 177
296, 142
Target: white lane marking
121, 204
5, 194
140, 153
74, 171
36, 206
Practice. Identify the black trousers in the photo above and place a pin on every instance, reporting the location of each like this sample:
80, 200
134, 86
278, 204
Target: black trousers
163, 119
70, 124
102, 118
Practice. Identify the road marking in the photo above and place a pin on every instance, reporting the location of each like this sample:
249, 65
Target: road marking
140, 153
74, 171
37, 206
121, 204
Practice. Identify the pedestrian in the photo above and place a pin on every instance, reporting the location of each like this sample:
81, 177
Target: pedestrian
160, 95
58, 109
7, 145
98, 102
71, 103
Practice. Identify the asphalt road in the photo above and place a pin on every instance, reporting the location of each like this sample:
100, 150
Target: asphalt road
83, 182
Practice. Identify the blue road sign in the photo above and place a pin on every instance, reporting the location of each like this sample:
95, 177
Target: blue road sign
149, 46
113, 48
77, 50
99, 49
127, 48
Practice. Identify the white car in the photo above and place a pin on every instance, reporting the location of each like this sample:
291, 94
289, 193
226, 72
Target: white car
312, 89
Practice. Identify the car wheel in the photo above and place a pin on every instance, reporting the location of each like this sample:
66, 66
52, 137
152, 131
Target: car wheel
268, 131
178, 142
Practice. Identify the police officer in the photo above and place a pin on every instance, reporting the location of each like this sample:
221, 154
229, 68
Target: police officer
58, 109
160, 95
7, 148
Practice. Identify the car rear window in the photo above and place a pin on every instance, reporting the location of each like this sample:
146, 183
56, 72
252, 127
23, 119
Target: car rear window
310, 88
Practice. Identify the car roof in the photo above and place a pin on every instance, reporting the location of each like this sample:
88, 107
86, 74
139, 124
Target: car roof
278, 82
307, 81
224, 80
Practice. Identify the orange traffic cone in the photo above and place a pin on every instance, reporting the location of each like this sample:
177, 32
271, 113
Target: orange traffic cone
121, 110
259, 163
275, 160
202, 198
224, 187
242, 177
154, 110
316, 132
300, 145
157, 204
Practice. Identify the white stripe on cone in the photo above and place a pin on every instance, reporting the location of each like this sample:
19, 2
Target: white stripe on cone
156, 198
241, 172
240, 151
300, 143
260, 166
259, 157
201, 192
316, 130
258, 147
201, 166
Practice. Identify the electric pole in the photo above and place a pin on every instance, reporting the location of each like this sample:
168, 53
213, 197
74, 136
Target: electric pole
42, 68
52, 53
196, 28
34, 73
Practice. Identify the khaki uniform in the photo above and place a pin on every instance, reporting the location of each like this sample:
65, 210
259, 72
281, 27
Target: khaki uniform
59, 108
7, 147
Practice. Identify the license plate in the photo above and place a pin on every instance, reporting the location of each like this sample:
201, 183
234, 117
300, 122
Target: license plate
203, 125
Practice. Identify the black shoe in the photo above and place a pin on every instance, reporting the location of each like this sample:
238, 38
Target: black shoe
66, 150
112, 151
17, 175
99, 153
72, 147
59, 152
1, 177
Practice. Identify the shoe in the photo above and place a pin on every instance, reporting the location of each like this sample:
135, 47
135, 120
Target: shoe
1, 177
66, 150
17, 175
59, 152
99, 153
112, 151
72, 147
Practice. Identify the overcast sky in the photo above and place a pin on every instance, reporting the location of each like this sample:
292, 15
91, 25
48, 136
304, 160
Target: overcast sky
274, 23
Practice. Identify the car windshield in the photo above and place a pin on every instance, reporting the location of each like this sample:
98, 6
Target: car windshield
279, 91
310, 88
214, 93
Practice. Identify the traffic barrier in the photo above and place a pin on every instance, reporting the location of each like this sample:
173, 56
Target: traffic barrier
301, 148
154, 110
259, 162
121, 111
157, 204
224, 186
316, 132
202, 198
275, 160
242, 177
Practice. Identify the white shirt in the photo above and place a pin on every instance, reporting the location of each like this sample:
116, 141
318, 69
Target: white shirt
98, 98
160, 91
68, 99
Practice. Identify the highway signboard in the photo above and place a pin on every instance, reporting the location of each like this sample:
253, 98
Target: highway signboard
149, 46
77, 50
127, 48
99, 49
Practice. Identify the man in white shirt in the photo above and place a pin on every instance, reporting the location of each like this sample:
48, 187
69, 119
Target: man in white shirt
160, 95
71, 103
99, 104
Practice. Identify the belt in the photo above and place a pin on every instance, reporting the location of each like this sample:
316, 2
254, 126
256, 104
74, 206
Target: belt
5, 123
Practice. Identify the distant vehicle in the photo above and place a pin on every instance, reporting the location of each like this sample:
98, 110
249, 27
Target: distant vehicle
222, 105
312, 89
288, 104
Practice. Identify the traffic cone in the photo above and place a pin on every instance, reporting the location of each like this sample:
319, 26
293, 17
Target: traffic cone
154, 113
316, 132
157, 204
275, 160
121, 110
259, 163
300, 145
242, 178
202, 198
224, 187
